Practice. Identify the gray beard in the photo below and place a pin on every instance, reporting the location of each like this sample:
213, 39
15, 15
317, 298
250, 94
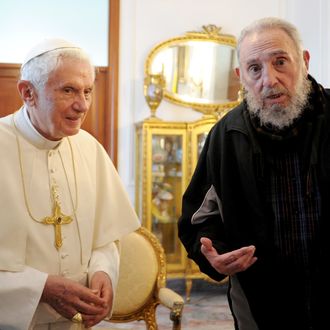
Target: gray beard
278, 117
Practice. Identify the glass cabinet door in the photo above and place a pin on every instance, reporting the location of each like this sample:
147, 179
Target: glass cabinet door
161, 180
198, 132
200, 142
166, 155
166, 191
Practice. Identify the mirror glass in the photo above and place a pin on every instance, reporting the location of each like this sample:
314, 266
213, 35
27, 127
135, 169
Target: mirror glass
199, 69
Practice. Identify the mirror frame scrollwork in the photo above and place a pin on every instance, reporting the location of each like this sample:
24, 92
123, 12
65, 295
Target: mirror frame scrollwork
209, 33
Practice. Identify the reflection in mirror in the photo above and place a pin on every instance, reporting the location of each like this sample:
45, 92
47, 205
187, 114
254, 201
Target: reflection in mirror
199, 69
199, 72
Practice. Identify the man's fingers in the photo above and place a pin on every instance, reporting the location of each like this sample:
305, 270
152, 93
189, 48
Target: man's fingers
207, 243
242, 258
244, 251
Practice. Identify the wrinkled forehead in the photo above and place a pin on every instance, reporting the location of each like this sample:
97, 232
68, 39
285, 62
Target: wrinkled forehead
72, 70
67, 63
269, 42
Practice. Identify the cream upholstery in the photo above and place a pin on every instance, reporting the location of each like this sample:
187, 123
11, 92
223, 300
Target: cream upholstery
142, 280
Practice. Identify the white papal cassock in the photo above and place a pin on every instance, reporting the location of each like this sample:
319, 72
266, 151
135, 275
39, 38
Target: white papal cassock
101, 213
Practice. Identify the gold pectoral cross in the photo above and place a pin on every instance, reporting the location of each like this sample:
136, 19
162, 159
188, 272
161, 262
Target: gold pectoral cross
57, 220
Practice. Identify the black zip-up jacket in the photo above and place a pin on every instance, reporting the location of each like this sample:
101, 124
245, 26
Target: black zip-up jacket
228, 186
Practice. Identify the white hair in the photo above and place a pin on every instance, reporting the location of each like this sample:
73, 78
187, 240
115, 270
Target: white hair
269, 23
37, 70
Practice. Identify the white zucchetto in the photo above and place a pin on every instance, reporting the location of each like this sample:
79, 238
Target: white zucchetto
45, 46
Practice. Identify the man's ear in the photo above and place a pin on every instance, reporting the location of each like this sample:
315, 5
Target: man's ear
26, 91
306, 58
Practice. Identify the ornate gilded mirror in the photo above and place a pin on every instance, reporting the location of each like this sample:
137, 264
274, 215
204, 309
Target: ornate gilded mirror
199, 70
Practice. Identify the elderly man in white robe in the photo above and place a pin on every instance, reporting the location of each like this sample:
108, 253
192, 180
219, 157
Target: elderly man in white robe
63, 207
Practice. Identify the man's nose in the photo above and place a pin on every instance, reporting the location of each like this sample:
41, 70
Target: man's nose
269, 76
81, 102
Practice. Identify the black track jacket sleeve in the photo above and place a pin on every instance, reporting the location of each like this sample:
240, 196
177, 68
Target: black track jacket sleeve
201, 211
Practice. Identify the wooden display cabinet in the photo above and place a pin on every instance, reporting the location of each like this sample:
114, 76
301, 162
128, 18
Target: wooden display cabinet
166, 156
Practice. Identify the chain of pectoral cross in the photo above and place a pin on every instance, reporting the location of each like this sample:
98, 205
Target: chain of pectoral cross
57, 219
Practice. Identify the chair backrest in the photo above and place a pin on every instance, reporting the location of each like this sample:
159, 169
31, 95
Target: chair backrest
142, 273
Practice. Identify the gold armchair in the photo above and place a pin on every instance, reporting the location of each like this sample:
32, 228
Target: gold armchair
142, 282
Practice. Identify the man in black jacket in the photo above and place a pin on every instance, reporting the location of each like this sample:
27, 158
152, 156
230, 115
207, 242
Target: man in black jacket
257, 207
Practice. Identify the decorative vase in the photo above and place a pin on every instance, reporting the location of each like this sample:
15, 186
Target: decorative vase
153, 91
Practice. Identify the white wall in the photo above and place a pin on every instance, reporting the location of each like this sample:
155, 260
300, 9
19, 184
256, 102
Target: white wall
313, 21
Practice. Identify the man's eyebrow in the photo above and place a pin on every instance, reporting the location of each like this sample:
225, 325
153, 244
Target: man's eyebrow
271, 54
278, 52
